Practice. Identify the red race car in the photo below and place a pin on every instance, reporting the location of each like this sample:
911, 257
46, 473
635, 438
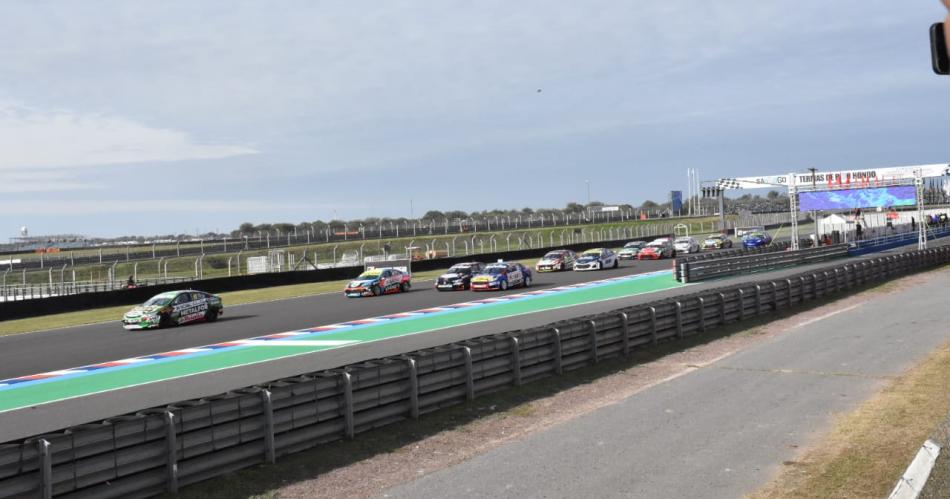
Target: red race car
658, 249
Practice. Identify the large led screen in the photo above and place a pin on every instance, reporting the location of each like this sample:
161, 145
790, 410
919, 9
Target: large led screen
846, 199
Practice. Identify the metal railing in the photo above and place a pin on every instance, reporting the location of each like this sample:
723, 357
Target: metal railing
162, 449
40, 291
692, 270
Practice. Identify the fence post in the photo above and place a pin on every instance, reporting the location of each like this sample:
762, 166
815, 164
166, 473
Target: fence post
722, 308
758, 299
625, 331
702, 313
679, 319
413, 388
789, 282
558, 368
45, 469
171, 453
741, 304
267, 405
469, 374
653, 337
350, 428
516, 360
593, 341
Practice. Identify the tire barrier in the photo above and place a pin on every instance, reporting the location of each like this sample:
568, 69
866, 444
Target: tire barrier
159, 450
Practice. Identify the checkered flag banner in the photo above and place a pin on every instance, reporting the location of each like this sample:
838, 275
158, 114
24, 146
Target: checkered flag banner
728, 183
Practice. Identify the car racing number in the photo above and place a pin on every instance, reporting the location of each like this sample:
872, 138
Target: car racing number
515, 276
191, 310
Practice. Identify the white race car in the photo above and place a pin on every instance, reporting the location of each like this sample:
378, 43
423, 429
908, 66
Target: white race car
597, 259
686, 245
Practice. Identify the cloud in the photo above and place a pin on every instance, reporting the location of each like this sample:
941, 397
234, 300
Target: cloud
31, 138
28, 182
166, 206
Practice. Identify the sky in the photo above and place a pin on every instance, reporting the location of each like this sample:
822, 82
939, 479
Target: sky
141, 118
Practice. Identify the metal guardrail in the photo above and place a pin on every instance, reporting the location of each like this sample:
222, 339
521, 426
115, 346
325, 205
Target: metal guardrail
162, 449
698, 270
677, 264
40, 291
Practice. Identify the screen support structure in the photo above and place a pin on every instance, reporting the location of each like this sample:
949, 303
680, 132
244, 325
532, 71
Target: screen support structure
921, 219
794, 189
793, 209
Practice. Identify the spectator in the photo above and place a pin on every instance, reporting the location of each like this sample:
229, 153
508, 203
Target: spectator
913, 224
857, 231
130, 283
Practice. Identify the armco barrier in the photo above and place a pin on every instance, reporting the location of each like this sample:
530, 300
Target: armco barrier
698, 270
58, 304
726, 254
162, 449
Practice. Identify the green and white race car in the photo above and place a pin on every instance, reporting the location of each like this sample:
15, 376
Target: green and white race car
174, 308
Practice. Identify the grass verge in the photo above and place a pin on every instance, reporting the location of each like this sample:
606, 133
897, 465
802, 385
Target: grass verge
70, 319
869, 448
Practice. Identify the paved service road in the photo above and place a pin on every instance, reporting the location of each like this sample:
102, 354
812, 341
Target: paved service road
719, 431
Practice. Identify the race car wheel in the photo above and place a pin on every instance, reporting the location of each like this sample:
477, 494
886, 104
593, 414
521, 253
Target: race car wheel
527, 282
503, 286
211, 315
404, 287
164, 321
616, 263
375, 290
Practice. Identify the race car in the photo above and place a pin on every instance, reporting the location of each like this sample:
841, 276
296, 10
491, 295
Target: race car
597, 259
756, 239
502, 275
717, 241
174, 308
657, 249
375, 282
686, 245
561, 259
459, 276
630, 250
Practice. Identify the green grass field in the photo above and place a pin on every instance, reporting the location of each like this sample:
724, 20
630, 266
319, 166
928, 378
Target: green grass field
216, 265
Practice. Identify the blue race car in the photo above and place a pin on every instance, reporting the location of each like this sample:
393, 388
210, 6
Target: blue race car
756, 239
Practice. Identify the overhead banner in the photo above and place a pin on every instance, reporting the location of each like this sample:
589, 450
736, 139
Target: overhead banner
844, 177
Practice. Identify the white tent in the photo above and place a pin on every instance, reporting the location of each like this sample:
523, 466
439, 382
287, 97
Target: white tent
834, 222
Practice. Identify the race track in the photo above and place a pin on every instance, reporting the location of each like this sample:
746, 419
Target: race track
43, 351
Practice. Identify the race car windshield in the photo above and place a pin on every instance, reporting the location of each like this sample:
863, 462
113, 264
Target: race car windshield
554, 255
632, 245
159, 301
495, 270
460, 270
369, 275
655, 245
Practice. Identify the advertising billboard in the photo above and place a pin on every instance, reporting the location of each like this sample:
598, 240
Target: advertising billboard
676, 201
847, 199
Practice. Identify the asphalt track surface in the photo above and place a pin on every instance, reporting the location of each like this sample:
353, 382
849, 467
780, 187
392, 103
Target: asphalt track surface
43, 351
720, 431
105, 342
